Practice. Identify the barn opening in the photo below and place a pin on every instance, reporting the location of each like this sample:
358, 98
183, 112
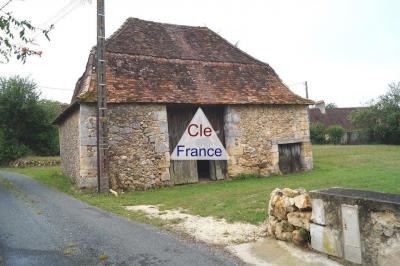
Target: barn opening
290, 158
191, 171
203, 170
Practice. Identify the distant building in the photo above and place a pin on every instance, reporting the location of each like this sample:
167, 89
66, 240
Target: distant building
157, 76
338, 116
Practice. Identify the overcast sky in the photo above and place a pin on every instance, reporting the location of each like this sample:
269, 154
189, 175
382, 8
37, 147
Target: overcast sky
347, 50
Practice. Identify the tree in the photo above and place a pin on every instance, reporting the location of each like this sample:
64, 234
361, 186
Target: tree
335, 133
317, 133
25, 120
381, 120
331, 106
17, 36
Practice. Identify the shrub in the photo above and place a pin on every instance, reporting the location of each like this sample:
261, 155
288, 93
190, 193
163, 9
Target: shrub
317, 133
381, 120
11, 150
25, 120
335, 133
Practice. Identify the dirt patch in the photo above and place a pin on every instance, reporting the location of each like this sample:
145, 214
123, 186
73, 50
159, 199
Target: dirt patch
246, 241
269, 251
206, 229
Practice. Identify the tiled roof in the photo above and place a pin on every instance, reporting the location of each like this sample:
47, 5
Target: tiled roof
333, 116
163, 63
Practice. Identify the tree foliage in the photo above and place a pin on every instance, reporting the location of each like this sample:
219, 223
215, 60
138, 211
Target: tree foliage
381, 120
335, 133
17, 36
25, 120
331, 106
317, 133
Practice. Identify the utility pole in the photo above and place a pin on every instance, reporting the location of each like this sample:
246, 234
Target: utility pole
101, 121
306, 85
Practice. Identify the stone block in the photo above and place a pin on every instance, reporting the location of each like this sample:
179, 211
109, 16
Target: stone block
326, 240
302, 201
290, 192
300, 219
161, 148
235, 151
165, 176
88, 182
389, 252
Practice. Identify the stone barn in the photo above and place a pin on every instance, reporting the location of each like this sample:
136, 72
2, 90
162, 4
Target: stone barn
157, 76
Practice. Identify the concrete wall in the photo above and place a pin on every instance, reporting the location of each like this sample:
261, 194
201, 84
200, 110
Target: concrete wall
253, 133
358, 227
69, 146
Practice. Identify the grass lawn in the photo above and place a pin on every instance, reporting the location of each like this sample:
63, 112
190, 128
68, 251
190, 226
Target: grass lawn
372, 167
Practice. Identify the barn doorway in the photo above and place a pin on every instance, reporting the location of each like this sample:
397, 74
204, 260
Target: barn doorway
184, 172
290, 158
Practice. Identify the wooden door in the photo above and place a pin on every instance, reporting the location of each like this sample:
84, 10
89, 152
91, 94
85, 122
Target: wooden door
289, 158
181, 172
215, 115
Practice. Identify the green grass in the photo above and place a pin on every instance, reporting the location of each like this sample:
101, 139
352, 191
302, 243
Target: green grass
372, 167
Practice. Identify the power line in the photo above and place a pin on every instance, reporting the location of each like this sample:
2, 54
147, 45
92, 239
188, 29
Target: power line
297, 83
6, 4
54, 88
62, 13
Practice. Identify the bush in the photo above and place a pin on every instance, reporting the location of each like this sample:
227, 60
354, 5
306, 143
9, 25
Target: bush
335, 133
381, 120
317, 133
25, 120
11, 150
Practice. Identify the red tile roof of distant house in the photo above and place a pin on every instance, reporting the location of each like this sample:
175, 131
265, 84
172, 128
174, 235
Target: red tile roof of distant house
333, 116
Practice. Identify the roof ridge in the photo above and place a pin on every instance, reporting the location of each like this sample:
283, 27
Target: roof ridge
165, 23
193, 60
119, 30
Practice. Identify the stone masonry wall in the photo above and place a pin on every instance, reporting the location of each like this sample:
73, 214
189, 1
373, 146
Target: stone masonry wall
69, 146
138, 152
87, 148
253, 133
138, 146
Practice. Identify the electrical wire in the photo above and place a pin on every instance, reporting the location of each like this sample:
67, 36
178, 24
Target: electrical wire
54, 88
60, 14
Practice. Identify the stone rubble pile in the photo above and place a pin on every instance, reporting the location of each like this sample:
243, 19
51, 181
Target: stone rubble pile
289, 215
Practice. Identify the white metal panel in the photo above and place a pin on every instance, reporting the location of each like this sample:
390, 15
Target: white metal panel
351, 233
326, 240
318, 211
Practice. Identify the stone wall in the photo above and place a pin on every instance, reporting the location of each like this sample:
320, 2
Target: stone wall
138, 146
69, 145
289, 215
253, 133
88, 146
138, 153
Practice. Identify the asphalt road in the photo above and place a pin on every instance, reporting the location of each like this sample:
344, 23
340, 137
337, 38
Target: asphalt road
41, 226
